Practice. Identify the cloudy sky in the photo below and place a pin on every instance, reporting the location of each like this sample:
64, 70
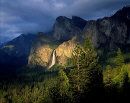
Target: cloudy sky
30, 16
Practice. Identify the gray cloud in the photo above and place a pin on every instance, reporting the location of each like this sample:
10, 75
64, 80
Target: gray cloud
30, 16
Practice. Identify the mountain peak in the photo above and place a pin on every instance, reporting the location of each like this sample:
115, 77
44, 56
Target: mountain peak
61, 18
123, 13
65, 28
79, 22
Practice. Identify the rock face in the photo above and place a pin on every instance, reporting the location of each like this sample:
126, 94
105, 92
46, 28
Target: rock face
63, 41
110, 32
42, 55
16, 52
41, 50
21, 45
65, 28
65, 50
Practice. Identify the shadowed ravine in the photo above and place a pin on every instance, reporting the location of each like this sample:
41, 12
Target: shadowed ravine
53, 59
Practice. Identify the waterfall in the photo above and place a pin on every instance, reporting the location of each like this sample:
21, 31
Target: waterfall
53, 60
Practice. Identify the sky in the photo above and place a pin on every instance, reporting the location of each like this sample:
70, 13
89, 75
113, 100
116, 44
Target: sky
31, 16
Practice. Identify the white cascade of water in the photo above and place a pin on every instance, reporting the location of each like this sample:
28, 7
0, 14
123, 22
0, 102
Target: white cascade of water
53, 61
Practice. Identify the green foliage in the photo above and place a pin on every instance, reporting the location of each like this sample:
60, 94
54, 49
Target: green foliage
81, 79
63, 83
85, 56
127, 57
88, 45
31, 86
119, 59
55, 68
64, 87
121, 79
108, 75
3, 96
86, 76
116, 77
77, 56
70, 62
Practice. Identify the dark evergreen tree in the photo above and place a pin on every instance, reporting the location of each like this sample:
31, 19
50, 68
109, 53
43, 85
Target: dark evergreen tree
108, 76
87, 76
119, 59
63, 83
77, 56
61, 93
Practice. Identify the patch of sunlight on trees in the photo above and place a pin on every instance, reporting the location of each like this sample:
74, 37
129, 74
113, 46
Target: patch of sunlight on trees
117, 75
9, 46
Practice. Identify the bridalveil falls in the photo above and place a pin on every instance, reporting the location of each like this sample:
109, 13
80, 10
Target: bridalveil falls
53, 59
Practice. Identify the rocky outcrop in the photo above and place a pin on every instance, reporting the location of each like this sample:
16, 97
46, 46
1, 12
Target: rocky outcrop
65, 28
40, 56
65, 31
16, 52
41, 50
65, 50
107, 33
110, 32
21, 45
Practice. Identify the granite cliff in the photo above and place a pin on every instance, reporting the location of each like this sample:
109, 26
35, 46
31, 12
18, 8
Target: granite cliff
42, 51
108, 33
65, 28
16, 52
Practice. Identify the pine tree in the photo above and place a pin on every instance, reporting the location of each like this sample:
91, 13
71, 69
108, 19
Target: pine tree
77, 56
108, 76
119, 59
85, 56
63, 83
86, 75
88, 44
90, 58
63, 87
